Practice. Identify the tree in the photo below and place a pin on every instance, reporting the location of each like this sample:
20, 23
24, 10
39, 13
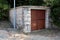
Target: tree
3, 9
25, 2
55, 11
4, 4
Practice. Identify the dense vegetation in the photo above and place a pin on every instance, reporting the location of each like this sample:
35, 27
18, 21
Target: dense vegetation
25, 2
3, 9
55, 11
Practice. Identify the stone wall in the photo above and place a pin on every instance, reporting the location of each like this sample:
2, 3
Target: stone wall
18, 16
27, 19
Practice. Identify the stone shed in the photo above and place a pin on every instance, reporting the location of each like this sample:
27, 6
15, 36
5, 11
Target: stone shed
31, 18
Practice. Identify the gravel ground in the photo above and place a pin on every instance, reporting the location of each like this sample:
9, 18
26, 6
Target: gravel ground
7, 33
15, 35
5, 24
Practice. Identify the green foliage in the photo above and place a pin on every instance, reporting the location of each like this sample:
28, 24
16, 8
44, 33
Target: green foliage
3, 9
55, 11
4, 4
55, 15
52, 2
26, 2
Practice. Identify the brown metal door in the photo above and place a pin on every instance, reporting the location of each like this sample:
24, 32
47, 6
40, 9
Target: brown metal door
33, 20
40, 19
37, 19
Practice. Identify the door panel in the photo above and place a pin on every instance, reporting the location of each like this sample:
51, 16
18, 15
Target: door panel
41, 24
34, 25
40, 14
37, 19
33, 15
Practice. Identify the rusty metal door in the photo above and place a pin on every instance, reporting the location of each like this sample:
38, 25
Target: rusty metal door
37, 19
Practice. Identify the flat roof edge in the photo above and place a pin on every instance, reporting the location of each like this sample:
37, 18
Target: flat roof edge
30, 7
